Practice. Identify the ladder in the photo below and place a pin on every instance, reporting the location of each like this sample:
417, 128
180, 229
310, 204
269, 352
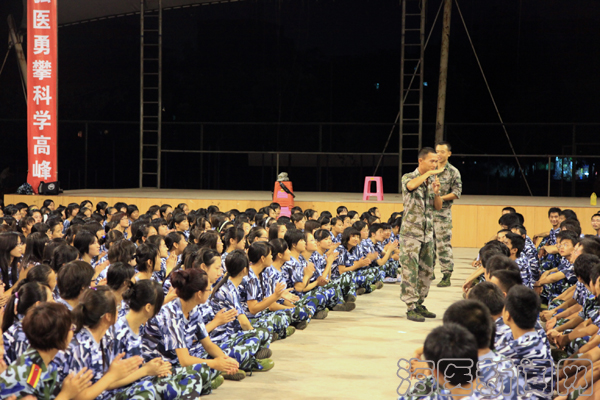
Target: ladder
411, 85
150, 92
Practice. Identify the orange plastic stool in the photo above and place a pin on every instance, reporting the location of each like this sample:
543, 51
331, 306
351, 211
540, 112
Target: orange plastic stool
378, 185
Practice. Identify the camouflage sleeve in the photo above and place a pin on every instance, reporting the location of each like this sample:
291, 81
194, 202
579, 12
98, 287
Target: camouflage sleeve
405, 179
457, 184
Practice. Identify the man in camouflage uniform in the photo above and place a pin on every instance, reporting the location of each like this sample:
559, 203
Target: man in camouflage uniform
450, 190
420, 191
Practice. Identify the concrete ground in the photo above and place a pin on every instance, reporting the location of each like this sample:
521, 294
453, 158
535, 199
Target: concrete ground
351, 355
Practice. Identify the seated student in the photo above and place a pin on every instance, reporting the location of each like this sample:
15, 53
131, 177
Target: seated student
299, 275
489, 250
548, 261
178, 334
119, 251
341, 210
576, 331
72, 280
493, 298
119, 280
596, 224
301, 310
233, 239
337, 227
452, 351
554, 282
476, 317
168, 262
391, 268
254, 301
144, 300
25, 296
299, 220
323, 259
589, 246
245, 347
369, 246
112, 378
47, 329
588, 352
521, 310
348, 265
516, 244
530, 251
147, 260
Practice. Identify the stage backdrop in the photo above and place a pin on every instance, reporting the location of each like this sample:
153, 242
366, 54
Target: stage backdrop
42, 74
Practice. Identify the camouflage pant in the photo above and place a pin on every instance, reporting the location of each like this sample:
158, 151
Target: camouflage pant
139, 390
243, 345
184, 383
273, 321
416, 259
346, 284
365, 277
304, 309
391, 269
442, 233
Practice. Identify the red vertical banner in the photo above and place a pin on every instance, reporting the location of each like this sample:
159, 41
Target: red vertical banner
42, 77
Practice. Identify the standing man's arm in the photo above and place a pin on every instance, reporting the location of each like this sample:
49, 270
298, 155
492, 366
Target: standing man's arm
437, 202
456, 189
418, 181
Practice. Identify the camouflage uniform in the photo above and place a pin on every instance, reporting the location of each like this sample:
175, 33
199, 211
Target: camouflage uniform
450, 182
13, 381
416, 240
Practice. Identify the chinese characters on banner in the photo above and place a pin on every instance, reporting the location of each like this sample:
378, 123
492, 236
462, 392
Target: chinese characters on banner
42, 88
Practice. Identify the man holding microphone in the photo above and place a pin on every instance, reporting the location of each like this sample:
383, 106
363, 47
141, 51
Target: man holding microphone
421, 196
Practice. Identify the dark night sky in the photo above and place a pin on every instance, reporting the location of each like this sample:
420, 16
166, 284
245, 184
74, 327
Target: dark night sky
320, 61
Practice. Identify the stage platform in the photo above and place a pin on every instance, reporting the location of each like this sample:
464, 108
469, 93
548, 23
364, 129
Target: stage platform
475, 218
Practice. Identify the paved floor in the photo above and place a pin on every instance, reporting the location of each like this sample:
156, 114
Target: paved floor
350, 355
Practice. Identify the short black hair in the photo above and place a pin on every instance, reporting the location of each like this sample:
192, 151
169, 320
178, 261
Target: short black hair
590, 245
509, 220
453, 350
424, 152
491, 249
490, 295
444, 143
475, 316
500, 262
523, 305
507, 279
522, 230
509, 209
583, 266
569, 214
516, 241
568, 235
73, 278
571, 225
553, 210
47, 326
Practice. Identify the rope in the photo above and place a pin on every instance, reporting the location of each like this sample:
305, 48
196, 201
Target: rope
409, 86
492, 97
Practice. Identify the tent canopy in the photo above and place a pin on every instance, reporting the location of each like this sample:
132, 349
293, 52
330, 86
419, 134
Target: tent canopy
76, 11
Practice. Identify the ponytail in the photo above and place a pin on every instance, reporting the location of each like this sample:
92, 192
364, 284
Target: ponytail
94, 303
